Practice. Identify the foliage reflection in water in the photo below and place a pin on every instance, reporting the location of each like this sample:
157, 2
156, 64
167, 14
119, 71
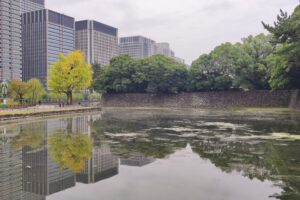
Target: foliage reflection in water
212, 155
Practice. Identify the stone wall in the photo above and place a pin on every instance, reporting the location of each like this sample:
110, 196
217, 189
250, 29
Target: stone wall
202, 99
295, 100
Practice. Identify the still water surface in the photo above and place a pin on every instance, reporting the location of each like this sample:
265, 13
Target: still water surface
152, 154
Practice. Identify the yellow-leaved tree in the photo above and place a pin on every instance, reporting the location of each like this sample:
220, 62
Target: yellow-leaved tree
70, 73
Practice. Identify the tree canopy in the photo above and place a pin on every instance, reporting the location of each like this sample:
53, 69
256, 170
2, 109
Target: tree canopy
155, 74
17, 89
233, 66
35, 91
70, 73
285, 61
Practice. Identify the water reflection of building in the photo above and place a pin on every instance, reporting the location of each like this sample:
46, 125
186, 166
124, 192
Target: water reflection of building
102, 165
42, 175
10, 172
76, 125
138, 160
27, 171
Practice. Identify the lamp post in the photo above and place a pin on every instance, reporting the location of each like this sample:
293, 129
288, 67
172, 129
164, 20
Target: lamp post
4, 87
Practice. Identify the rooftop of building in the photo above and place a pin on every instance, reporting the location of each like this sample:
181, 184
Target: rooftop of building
98, 26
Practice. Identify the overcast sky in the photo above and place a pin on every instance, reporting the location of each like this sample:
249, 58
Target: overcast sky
192, 27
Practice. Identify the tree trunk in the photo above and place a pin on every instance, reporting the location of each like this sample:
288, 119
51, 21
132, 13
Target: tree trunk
69, 98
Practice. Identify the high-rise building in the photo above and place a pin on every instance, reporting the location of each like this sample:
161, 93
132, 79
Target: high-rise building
10, 40
32, 5
98, 41
163, 49
45, 34
137, 46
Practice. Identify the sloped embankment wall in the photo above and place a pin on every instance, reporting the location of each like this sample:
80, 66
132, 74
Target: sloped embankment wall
203, 99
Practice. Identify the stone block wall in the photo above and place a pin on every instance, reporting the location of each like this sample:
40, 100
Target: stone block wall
295, 100
203, 99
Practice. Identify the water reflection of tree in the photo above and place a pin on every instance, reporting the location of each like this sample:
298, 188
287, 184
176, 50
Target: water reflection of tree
126, 147
273, 160
31, 135
70, 150
263, 160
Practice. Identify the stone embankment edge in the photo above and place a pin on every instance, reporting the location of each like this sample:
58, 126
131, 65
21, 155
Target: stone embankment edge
10, 117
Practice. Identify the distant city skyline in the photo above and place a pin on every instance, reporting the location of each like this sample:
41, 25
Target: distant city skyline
191, 27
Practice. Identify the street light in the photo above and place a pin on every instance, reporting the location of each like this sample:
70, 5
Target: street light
4, 87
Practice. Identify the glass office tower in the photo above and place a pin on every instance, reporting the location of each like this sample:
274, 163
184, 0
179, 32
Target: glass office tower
45, 34
98, 41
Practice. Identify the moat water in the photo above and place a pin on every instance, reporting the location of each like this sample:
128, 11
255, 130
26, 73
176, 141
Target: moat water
147, 154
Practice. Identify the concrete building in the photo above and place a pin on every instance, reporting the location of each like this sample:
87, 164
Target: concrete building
163, 49
137, 46
140, 47
10, 40
98, 41
45, 34
32, 5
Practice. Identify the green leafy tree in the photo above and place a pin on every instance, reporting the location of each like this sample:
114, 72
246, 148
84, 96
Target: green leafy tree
202, 75
35, 91
70, 73
286, 33
117, 76
155, 74
159, 74
220, 70
256, 75
230, 60
17, 89
279, 77
96, 73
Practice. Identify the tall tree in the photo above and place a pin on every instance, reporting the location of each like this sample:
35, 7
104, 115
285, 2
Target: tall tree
70, 73
35, 92
17, 89
159, 74
229, 59
286, 33
256, 74
117, 77
202, 76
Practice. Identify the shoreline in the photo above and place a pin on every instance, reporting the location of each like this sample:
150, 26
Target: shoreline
33, 114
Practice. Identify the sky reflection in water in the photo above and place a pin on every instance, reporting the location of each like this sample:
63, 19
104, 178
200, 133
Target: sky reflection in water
152, 154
